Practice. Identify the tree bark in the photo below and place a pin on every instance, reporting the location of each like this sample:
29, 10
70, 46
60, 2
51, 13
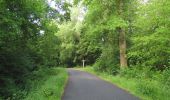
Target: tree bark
122, 47
122, 37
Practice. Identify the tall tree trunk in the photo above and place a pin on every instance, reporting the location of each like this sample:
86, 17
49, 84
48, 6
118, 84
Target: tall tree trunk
122, 37
122, 47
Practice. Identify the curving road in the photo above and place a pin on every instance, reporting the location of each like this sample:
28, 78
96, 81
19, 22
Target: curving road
85, 86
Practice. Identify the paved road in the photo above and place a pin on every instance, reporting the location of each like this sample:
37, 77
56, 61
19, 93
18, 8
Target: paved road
84, 86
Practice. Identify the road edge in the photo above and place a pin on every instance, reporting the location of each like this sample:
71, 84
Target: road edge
110, 83
65, 85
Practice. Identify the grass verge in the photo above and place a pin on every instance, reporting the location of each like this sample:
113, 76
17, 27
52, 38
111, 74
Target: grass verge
145, 89
49, 86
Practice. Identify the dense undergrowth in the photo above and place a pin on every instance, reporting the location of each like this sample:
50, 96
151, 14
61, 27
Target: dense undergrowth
44, 84
143, 83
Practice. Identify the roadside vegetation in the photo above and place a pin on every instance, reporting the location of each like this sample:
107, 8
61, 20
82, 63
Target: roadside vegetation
43, 84
29, 50
48, 84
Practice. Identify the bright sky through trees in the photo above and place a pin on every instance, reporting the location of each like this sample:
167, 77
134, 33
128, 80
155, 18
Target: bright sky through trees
144, 1
81, 9
54, 5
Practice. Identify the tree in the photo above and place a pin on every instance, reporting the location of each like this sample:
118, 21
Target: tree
150, 43
69, 35
122, 36
106, 21
27, 42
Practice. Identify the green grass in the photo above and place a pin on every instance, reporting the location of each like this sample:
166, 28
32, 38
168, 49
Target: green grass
146, 89
51, 87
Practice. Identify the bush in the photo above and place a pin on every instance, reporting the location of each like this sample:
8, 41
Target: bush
166, 78
150, 83
107, 62
50, 86
140, 72
129, 73
148, 88
106, 67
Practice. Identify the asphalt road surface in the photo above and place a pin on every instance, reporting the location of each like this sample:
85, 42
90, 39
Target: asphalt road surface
85, 86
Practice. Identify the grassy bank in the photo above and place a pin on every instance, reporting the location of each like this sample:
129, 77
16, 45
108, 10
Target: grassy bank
42, 84
146, 89
49, 86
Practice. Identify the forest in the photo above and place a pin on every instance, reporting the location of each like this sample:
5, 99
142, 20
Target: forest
40, 39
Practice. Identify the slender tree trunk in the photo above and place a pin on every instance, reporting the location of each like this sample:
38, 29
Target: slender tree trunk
122, 37
122, 47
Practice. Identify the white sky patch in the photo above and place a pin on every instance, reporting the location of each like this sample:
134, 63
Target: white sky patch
42, 32
81, 14
82, 11
144, 1
53, 5
70, 1
49, 0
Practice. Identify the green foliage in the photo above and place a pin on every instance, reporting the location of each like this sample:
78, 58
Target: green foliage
41, 84
69, 38
69, 33
100, 31
49, 44
47, 84
34, 33
150, 44
138, 72
87, 50
148, 88
154, 85
146, 26
107, 63
165, 78
27, 41
17, 34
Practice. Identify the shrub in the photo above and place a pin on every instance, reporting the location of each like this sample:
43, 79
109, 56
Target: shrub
109, 67
140, 72
107, 62
166, 78
148, 88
